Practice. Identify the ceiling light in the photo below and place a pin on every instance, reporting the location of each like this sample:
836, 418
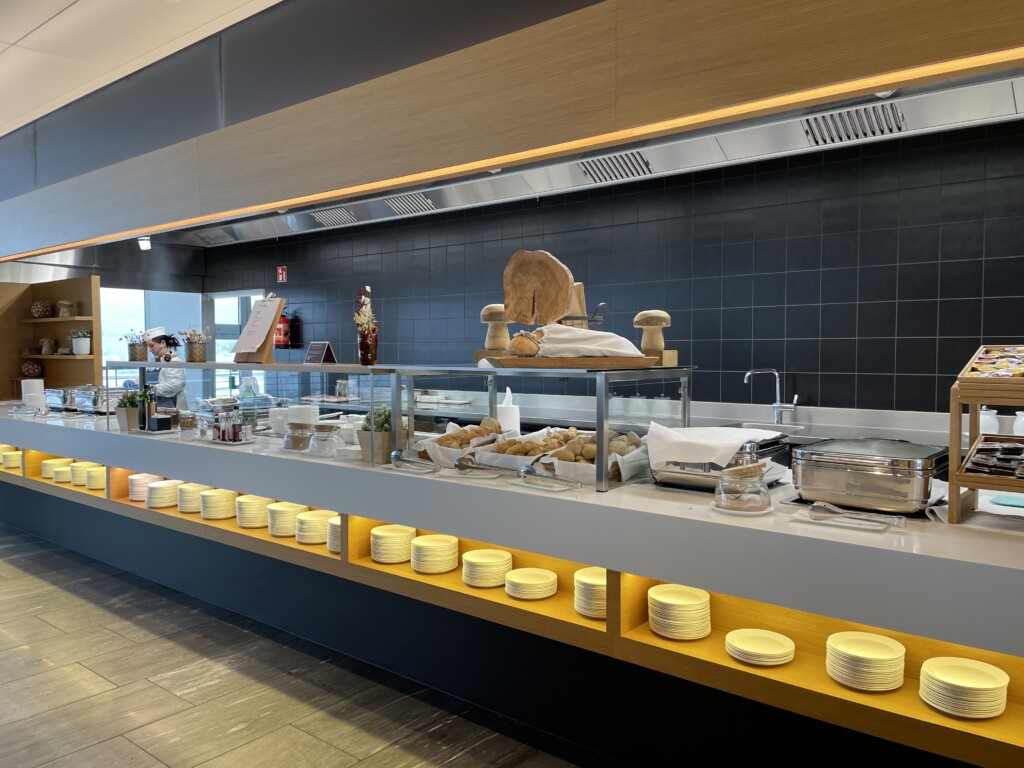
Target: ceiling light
144, 243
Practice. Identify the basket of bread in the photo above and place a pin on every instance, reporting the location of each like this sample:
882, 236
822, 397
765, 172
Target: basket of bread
458, 441
568, 453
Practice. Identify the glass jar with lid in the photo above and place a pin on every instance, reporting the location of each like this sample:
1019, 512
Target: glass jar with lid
741, 490
298, 436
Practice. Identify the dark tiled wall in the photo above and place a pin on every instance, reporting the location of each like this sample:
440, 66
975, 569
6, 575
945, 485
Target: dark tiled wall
867, 275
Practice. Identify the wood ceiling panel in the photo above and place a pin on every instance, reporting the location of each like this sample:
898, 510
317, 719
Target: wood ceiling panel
678, 59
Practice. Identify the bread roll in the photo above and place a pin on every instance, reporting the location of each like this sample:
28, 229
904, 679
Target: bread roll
523, 344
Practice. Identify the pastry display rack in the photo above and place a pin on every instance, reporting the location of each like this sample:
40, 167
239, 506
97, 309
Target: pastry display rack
972, 390
604, 401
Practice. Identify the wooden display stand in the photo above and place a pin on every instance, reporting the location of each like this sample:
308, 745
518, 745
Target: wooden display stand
973, 392
58, 370
258, 324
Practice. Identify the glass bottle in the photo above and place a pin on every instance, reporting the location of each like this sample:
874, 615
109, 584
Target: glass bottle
144, 409
247, 402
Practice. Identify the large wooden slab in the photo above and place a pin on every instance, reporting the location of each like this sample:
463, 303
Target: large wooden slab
538, 288
587, 363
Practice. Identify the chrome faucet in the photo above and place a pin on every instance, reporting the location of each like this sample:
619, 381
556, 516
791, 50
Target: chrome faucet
778, 408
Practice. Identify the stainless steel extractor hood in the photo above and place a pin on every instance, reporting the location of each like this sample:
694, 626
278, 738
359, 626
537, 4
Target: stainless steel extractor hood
878, 117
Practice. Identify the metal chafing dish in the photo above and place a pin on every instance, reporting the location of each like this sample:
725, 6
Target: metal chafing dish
705, 475
868, 473
93, 399
60, 399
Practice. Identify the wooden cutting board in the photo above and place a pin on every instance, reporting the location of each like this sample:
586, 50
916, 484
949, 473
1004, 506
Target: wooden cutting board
538, 288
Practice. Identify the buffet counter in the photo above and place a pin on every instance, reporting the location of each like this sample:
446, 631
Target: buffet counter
941, 589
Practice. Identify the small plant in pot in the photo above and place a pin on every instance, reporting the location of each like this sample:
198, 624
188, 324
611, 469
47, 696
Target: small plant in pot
81, 341
136, 346
375, 437
127, 410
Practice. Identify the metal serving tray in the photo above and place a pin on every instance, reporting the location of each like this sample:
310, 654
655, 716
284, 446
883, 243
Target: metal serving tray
705, 475
868, 473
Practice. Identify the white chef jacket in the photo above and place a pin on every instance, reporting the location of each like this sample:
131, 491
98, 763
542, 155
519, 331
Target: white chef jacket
170, 386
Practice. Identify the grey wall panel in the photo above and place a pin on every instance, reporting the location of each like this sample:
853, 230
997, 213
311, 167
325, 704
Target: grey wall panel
158, 187
17, 162
302, 49
173, 100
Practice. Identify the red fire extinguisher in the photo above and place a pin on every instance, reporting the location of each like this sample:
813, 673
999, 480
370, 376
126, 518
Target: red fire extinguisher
282, 332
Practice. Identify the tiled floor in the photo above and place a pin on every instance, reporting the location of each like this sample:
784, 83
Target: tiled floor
99, 667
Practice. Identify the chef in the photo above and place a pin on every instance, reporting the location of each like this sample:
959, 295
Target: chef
170, 387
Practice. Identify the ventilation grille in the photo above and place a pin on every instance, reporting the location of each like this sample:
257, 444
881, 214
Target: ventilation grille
334, 217
216, 237
852, 124
415, 202
628, 165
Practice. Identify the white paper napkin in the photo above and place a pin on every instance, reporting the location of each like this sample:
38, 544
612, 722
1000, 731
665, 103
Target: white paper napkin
697, 445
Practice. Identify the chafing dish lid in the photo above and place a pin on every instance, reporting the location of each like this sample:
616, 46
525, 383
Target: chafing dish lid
872, 452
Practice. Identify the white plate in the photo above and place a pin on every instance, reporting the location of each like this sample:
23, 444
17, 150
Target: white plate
531, 577
673, 595
760, 642
487, 557
866, 645
592, 576
965, 673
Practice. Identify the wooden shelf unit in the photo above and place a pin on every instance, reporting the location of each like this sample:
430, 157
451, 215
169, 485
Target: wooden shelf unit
74, 319
802, 685
15, 309
973, 392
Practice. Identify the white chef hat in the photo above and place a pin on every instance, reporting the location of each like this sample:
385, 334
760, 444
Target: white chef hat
152, 333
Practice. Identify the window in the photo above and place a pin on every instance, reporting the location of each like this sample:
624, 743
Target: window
230, 314
123, 310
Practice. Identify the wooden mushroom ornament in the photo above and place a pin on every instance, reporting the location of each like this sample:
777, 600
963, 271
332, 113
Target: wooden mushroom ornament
497, 327
653, 322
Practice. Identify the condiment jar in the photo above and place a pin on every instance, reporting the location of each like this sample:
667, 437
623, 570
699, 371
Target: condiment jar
298, 436
742, 489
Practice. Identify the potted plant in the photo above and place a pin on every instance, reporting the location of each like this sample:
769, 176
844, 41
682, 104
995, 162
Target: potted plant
136, 346
195, 344
375, 439
127, 410
81, 341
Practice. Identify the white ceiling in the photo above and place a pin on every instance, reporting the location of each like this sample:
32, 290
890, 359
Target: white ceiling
55, 51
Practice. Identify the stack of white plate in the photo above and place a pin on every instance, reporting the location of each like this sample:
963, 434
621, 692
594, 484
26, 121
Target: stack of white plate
281, 517
311, 526
964, 687
189, 500
48, 465
138, 485
217, 503
864, 660
486, 567
5, 448
679, 612
251, 511
11, 459
435, 553
761, 647
95, 478
590, 593
161, 494
531, 583
303, 414
334, 535
62, 474
78, 469
391, 543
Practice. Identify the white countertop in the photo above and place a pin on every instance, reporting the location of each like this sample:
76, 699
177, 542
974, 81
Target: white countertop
959, 583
